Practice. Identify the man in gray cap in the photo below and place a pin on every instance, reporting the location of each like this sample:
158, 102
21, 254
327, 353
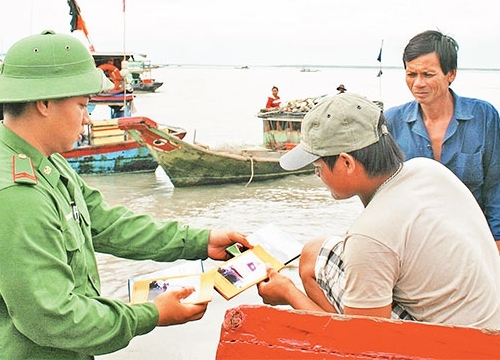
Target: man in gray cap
50, 301
421, 245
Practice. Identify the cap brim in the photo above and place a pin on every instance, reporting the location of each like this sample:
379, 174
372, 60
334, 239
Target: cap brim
297, 158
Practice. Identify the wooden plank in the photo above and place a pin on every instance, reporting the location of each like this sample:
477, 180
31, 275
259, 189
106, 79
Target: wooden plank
264, 332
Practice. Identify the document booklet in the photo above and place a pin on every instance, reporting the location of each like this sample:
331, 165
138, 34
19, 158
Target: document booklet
148, 289
243, 271
180, 268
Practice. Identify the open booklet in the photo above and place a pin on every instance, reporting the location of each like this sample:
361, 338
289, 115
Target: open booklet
183, 273
272, 246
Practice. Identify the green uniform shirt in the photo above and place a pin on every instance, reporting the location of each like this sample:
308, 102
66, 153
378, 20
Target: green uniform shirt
51, 223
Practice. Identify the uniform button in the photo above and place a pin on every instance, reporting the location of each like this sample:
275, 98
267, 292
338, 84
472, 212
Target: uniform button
21, 156
47, 170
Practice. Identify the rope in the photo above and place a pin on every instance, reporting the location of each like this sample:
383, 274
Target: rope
251, 177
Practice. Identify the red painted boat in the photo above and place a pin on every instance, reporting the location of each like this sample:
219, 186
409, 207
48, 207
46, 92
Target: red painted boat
264, 332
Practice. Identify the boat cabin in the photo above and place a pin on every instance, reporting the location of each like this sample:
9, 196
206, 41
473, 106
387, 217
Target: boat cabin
281, 130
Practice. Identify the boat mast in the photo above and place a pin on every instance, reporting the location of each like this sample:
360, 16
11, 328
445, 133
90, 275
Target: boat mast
125, 72
379, 59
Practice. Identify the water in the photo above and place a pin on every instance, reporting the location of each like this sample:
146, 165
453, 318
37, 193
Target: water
218, 105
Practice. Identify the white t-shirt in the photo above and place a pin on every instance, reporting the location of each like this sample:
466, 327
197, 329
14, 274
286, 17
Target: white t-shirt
424, 242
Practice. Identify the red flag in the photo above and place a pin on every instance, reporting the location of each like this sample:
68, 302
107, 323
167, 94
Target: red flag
77, 22
123, 5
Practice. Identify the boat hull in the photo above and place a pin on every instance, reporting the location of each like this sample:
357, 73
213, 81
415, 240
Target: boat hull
145, 86
264, 332
123, 157
191, 165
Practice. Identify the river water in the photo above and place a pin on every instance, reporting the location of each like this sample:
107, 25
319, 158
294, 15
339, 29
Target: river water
217, 106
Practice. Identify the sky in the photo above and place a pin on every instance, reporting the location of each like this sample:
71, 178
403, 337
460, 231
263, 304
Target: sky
265, 32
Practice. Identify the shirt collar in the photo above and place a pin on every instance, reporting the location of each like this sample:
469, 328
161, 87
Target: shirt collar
461, 111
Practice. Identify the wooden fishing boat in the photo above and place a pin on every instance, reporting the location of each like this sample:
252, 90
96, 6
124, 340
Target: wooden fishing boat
145, 84
141, 71
108, 147
264, 332
191, 164
281, 125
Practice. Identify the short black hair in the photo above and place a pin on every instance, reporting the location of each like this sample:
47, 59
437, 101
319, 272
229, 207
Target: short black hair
431, 41
14, 109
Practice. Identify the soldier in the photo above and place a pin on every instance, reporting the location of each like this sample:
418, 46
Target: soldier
50, 302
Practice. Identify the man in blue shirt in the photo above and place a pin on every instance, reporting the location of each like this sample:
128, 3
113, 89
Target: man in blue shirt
461, 133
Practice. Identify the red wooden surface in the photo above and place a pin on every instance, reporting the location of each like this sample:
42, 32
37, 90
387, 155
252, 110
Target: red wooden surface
101, 149
264, 332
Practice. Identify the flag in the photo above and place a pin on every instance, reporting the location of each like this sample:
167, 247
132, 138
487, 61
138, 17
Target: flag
77, 22
379, 58
123, 5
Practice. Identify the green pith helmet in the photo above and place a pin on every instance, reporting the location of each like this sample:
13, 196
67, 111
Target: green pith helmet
49, 66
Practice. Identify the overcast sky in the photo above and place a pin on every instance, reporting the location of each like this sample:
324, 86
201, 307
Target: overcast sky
271, 32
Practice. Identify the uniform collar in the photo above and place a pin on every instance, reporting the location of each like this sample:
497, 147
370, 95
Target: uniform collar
41, 164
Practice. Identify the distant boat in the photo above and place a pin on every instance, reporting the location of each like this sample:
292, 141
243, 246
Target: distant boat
304, 69
142, 79
242, 67
108, 148
192, 164
140, 69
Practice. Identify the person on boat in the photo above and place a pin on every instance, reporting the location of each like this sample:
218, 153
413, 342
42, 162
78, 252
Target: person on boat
461, 133
421, 249
341, 89
51, 306
274, 100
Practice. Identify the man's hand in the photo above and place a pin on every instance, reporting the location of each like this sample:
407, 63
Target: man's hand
172, 311
275, 290
281, 290
219, 240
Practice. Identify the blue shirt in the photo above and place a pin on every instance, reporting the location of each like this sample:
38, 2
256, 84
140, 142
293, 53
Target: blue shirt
471, 147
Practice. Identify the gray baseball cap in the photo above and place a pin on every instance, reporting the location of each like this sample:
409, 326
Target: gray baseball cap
340, 123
